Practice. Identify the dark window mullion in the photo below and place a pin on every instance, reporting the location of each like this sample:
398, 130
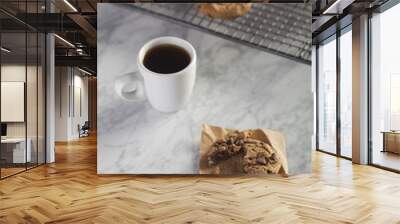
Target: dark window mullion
0, 96
37, 91
44, 72
317, 96
26, 87
369, 54
338, 91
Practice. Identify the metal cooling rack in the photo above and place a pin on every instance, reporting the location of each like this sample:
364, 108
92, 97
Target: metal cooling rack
280, 28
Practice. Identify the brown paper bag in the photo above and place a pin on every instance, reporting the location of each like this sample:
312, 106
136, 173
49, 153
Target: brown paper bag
234, 165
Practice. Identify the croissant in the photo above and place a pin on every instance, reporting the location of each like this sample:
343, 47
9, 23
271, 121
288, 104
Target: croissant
227, 11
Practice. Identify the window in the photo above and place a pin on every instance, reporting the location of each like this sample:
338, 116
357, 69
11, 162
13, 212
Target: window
346, 93
327, 96
394, 102
334, 106
385, 89
22, 101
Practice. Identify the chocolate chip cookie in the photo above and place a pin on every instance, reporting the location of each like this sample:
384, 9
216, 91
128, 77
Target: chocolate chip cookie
223, 149
257, 157
260, 158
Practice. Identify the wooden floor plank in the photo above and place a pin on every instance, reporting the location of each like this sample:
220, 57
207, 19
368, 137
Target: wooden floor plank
70, 191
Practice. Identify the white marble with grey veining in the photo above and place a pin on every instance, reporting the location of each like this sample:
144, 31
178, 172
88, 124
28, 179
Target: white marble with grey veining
236, 86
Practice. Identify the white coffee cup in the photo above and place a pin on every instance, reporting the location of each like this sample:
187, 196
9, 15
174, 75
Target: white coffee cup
165, 92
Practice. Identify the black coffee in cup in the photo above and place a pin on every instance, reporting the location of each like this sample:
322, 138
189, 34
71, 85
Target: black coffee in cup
166, 59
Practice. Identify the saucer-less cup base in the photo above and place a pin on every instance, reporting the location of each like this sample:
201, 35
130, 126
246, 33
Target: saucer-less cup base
168, 92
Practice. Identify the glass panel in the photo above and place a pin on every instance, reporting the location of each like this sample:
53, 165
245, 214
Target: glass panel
13, 89
346, 94
327, 96
23, 91
385, 84
31, 100
394, 102
41, 99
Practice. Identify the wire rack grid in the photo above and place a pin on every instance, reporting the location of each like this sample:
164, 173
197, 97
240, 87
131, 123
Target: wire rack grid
280, 28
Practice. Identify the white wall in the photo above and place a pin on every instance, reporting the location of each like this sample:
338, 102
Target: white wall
33, 127
12, 73
79, 117
62, 81
67, 116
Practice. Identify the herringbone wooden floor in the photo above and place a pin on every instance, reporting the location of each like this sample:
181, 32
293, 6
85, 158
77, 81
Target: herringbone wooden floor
70, 191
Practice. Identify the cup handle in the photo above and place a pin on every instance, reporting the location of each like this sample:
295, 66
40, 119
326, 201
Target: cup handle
130, 87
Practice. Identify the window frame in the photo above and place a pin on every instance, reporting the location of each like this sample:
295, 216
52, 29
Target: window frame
334, 37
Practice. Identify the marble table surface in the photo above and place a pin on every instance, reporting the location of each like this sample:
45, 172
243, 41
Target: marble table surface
236, 86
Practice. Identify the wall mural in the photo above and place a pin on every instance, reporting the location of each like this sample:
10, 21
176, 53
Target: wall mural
173, 99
